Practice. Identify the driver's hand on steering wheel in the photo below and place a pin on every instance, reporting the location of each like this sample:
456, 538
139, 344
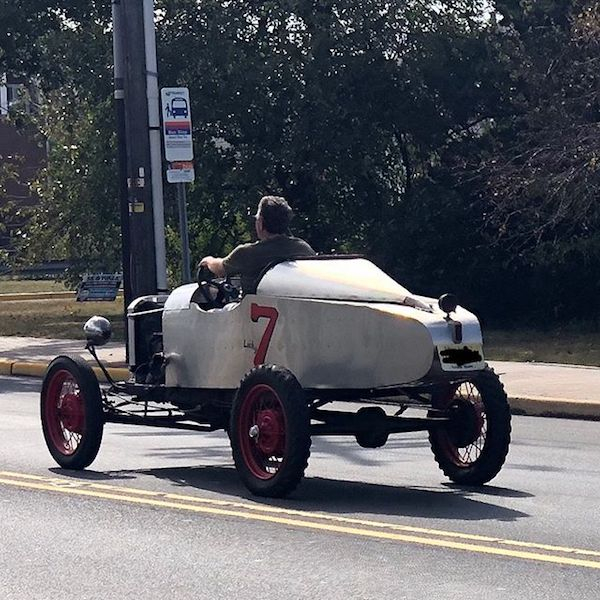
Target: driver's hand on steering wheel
214, 265
214, 291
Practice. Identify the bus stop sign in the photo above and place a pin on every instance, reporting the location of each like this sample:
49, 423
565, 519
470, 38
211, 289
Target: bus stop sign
177, 124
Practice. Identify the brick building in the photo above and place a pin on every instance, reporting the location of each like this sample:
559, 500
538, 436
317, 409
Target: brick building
20, 153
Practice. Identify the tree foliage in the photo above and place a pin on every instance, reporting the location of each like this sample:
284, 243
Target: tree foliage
77, 217
453, 142
543, 170
68, 51
340, 106
538, 169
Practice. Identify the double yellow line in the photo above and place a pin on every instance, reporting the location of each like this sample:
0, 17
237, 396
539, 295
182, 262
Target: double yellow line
560, 555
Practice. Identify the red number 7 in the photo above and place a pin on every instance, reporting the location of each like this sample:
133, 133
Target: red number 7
259, 312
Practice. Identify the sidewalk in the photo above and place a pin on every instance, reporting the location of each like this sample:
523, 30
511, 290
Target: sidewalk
533, 388
30, 356
548, 389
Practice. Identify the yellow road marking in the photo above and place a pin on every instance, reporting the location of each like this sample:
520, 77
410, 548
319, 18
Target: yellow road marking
318, 521
293, 512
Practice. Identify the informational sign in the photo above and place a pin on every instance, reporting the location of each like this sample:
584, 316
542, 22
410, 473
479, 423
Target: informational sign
180, 172
177, 124
99, 286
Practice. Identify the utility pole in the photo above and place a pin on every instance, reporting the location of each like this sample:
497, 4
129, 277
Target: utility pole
119, 93
155, 146
139, 240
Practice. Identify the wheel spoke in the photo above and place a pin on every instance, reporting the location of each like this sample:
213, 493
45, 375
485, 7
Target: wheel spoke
263, 414
467, 400
64, 412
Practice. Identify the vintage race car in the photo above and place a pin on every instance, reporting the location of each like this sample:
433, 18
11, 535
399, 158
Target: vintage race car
326, 331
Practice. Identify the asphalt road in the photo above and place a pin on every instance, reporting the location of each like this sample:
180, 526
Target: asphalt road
163, 514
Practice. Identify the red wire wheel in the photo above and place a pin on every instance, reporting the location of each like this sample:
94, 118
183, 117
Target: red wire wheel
270, 434
262, 415
71, 412
472, 446
64, 412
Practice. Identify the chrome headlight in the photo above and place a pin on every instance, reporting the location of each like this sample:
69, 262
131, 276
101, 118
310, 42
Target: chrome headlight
97, 331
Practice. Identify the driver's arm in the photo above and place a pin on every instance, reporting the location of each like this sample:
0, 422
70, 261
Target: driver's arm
232, 264
215, 265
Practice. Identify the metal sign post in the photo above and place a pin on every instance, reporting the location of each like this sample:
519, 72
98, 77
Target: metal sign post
183, 230
179, 152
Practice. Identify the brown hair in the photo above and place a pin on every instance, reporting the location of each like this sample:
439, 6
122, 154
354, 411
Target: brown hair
276, 213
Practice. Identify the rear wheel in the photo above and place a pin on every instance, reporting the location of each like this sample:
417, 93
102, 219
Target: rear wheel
270, 431
472, 447
71, 412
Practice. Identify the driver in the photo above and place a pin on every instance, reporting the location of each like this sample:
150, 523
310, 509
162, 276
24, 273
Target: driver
275, 243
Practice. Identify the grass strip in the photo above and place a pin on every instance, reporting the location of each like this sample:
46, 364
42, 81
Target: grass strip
62, 319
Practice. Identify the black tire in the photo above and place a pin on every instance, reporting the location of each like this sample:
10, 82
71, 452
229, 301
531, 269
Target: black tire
71, 412
270, 431
473, 446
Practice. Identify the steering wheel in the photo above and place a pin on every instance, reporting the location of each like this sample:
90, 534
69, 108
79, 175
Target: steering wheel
215, 291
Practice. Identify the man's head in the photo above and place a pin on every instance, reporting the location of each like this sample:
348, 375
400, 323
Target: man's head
273, 216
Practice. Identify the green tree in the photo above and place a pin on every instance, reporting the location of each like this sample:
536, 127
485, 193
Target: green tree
341, 106
383, 123
538, 167
77, 217
67, 50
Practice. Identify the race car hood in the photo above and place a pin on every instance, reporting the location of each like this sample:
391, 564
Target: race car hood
346, 279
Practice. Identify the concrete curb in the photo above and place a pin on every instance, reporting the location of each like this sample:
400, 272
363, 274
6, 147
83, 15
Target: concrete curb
38, 369
539, 406
533, 406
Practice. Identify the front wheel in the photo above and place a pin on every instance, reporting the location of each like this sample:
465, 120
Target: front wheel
472, 446
270, 431
71, 412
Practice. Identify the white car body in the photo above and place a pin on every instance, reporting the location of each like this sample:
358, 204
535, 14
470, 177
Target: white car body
338, 323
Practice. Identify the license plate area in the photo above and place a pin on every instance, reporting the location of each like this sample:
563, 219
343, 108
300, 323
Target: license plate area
461, 357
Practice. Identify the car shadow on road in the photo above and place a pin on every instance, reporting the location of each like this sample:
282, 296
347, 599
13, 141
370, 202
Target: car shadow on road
327, 495
335, 496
